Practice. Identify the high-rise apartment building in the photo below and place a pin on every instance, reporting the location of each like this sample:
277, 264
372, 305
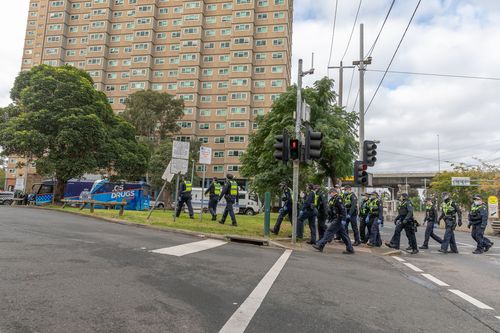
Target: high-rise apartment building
227, 59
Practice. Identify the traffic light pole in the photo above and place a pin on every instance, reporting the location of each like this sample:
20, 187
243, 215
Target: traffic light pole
296, 163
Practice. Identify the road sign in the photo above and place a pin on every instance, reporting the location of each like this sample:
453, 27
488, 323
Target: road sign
205, 155
493, 207
167, 175
178, 166
180, 149
460, 181
19, 184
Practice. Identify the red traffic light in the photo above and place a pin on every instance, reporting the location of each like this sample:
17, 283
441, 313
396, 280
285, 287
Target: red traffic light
294, 149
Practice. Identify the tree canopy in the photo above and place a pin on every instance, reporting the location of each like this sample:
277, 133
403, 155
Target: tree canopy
62, 121
339, 139
153, 114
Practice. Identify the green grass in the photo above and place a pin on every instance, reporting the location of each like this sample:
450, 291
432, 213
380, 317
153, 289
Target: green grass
247, 225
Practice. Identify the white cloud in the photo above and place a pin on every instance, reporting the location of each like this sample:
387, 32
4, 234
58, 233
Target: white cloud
457, 37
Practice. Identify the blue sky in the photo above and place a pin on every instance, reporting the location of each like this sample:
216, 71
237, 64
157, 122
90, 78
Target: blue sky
447, 36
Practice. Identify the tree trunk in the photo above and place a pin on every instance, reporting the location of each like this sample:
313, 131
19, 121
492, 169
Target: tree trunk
59, 190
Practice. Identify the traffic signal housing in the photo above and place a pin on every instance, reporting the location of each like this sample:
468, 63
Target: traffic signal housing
281, 147
360, 174
369, 152
294, 149
313, 144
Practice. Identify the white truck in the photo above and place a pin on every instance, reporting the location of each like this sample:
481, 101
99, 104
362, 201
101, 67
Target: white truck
248, 204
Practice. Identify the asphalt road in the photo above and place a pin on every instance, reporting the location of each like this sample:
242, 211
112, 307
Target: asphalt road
61, 273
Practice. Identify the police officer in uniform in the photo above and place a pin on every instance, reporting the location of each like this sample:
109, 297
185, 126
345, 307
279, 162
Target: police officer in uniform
449, 213
478, 219
230, 193
322, 207
375, 218
364, 227
286, 209
430, 219
309, 213
214, 191
405, 221
337, 216
185, 197
351, 206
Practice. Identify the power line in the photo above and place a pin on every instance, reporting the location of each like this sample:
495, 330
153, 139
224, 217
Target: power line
439, 75
352, 31
380, 31
393, 56
333, 32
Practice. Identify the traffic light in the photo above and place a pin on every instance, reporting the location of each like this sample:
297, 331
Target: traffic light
281, 146
360, 174
369, 152
313, 145
294, 149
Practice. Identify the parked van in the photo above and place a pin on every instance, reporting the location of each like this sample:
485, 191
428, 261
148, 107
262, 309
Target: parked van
6, 198
248, 204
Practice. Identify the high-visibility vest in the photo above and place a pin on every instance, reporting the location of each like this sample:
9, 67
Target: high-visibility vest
234, 188
347, 199
448, 208
188, 185
217, 188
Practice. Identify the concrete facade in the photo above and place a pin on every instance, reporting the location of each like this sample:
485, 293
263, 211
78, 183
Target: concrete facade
227, 59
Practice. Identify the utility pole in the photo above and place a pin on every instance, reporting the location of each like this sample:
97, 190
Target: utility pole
341, 81
296, 163
361, 63
439, 157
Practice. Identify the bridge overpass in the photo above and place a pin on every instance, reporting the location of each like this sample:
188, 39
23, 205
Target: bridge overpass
399, 180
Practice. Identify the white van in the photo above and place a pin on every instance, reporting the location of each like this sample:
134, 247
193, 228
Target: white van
249, 202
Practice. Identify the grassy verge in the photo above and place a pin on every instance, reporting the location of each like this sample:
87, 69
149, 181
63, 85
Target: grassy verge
247, 225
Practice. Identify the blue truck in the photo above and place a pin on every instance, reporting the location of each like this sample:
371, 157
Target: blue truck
137, 194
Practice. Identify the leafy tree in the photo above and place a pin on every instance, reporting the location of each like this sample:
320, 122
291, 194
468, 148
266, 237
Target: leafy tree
485, 181
339, 139
59, 119
153, 114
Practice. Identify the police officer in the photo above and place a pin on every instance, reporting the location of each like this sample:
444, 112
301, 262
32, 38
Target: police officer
430, 219
230, 193
214, 191
286, 209
478, 219
309, 213
364, 227
185, 197
351, 206
322, 207
449, 213
375, 218
405, 221
336, 216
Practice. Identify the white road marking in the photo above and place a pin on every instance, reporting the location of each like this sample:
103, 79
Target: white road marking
465, 244
471, 299
497, 317
413, 267
242, 317
399, 259
182, 250
435, 280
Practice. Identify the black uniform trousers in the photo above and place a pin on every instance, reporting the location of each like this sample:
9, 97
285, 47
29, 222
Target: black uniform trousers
353, 221
375, 239
449, 235
334, 228
286, 210
410, 234
310, 216
478, 235
429, 233
212, 206
364, 229
396, 238
184, 199
229, 210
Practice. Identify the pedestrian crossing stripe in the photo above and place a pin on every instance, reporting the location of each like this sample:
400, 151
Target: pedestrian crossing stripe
189, 248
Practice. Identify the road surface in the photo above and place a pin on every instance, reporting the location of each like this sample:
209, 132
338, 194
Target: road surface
61, 273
